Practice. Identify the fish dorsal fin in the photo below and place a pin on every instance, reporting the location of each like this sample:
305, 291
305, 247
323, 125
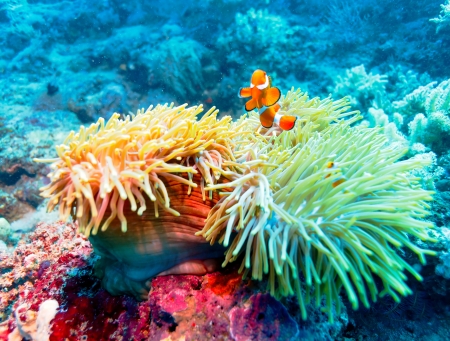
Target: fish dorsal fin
270, 81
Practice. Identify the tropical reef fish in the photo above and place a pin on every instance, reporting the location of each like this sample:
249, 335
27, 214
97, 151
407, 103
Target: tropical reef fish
269, 115
261, 92
341, 179
264, 97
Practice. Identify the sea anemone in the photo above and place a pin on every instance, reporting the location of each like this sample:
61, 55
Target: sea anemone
107, 174
319, 208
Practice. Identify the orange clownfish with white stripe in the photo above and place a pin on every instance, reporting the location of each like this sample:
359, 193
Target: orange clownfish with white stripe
264, 97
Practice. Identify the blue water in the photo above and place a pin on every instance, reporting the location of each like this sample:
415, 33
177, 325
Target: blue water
117, 56
67, 63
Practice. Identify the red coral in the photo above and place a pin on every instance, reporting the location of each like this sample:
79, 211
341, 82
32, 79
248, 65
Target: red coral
215, 306
225, 284
37, 251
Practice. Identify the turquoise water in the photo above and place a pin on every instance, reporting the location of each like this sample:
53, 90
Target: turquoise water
68, 63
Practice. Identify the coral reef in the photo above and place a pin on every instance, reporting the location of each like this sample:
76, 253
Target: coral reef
410, 108
193, 307
375, 90
363, 89
256, 31
63, 64
426, 113
283, 211
177, 66
24, 136
5, 229
444, 17
32, 256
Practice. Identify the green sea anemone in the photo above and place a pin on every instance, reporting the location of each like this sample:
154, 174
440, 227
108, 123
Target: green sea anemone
315, 210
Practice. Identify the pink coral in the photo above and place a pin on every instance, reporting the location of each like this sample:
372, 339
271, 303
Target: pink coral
209, 307
33, 254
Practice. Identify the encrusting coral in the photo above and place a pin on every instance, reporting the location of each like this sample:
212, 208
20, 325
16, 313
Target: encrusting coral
319, 208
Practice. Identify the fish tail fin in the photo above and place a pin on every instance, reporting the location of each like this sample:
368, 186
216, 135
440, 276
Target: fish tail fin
287, 122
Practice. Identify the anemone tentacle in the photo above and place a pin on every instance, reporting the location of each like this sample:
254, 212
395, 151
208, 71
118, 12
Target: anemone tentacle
270, 198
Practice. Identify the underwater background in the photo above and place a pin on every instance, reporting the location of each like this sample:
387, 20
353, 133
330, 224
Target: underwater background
68, 63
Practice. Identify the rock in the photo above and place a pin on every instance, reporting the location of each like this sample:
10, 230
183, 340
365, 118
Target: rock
5, 229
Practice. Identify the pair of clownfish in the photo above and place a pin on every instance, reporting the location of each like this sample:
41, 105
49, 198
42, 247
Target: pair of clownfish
264, 97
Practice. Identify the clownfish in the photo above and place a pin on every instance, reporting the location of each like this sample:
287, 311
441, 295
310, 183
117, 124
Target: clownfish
269, 115
332, 165
261, 92
264, 97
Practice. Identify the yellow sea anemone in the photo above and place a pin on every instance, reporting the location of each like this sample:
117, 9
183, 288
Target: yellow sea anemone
272, 199
106, 165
